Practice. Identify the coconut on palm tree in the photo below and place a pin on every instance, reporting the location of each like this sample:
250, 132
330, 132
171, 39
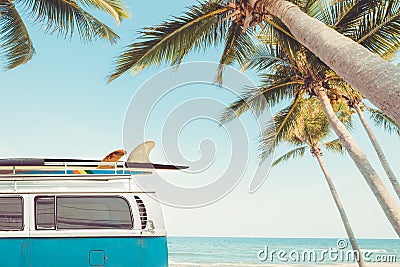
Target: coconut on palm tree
309, 131
61, 16
214, 21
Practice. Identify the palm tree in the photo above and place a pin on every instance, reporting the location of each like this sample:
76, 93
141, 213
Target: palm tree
359, 107
214, 22
62, 16
291, 73
200, 27
310, 128
387, 203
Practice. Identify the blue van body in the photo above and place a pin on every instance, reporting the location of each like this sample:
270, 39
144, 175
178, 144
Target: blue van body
84, 251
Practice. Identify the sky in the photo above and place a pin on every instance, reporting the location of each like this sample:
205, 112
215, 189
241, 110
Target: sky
60, 105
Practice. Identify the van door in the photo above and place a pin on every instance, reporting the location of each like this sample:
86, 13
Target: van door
83, 230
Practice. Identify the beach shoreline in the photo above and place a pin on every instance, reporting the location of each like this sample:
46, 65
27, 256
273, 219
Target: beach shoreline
244, 252
279, 265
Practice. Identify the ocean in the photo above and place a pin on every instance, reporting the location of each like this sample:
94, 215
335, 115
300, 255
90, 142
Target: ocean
224, 251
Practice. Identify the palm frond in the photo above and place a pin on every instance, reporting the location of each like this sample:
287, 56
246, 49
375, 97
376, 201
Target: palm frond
199, 27
266, 57
234, 111
278, 128
325, 11
302, 123
293, 154
238, 46
372, 23
16, 45
63, 16
305, 5
273, 29
346, 14
379, 30
344, 113
116, 8
257, 99
274, 91
334, 146
311, 122
382, 120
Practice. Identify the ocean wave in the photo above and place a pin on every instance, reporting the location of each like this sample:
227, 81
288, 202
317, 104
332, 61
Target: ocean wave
375, 250
190, 264
189, 253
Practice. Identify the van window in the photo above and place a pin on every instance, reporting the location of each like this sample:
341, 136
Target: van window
11, 213
142, 211
45, 218
93, 213
87, 212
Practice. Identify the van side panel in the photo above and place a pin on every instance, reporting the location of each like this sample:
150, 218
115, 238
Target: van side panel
14, 252
155, 252
99, 252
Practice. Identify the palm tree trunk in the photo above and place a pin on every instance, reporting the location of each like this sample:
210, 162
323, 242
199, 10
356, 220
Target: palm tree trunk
374, 77
342, 212
386, 201
379, 151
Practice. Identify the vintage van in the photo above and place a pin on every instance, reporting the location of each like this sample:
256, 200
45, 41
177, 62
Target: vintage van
70, 213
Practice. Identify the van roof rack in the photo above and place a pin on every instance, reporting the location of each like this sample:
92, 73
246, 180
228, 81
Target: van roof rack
58, 166
37, 162
56, 169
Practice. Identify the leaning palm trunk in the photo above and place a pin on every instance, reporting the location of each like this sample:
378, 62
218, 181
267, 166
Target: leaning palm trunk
373, 76
342, 212
379, 152
386, 201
